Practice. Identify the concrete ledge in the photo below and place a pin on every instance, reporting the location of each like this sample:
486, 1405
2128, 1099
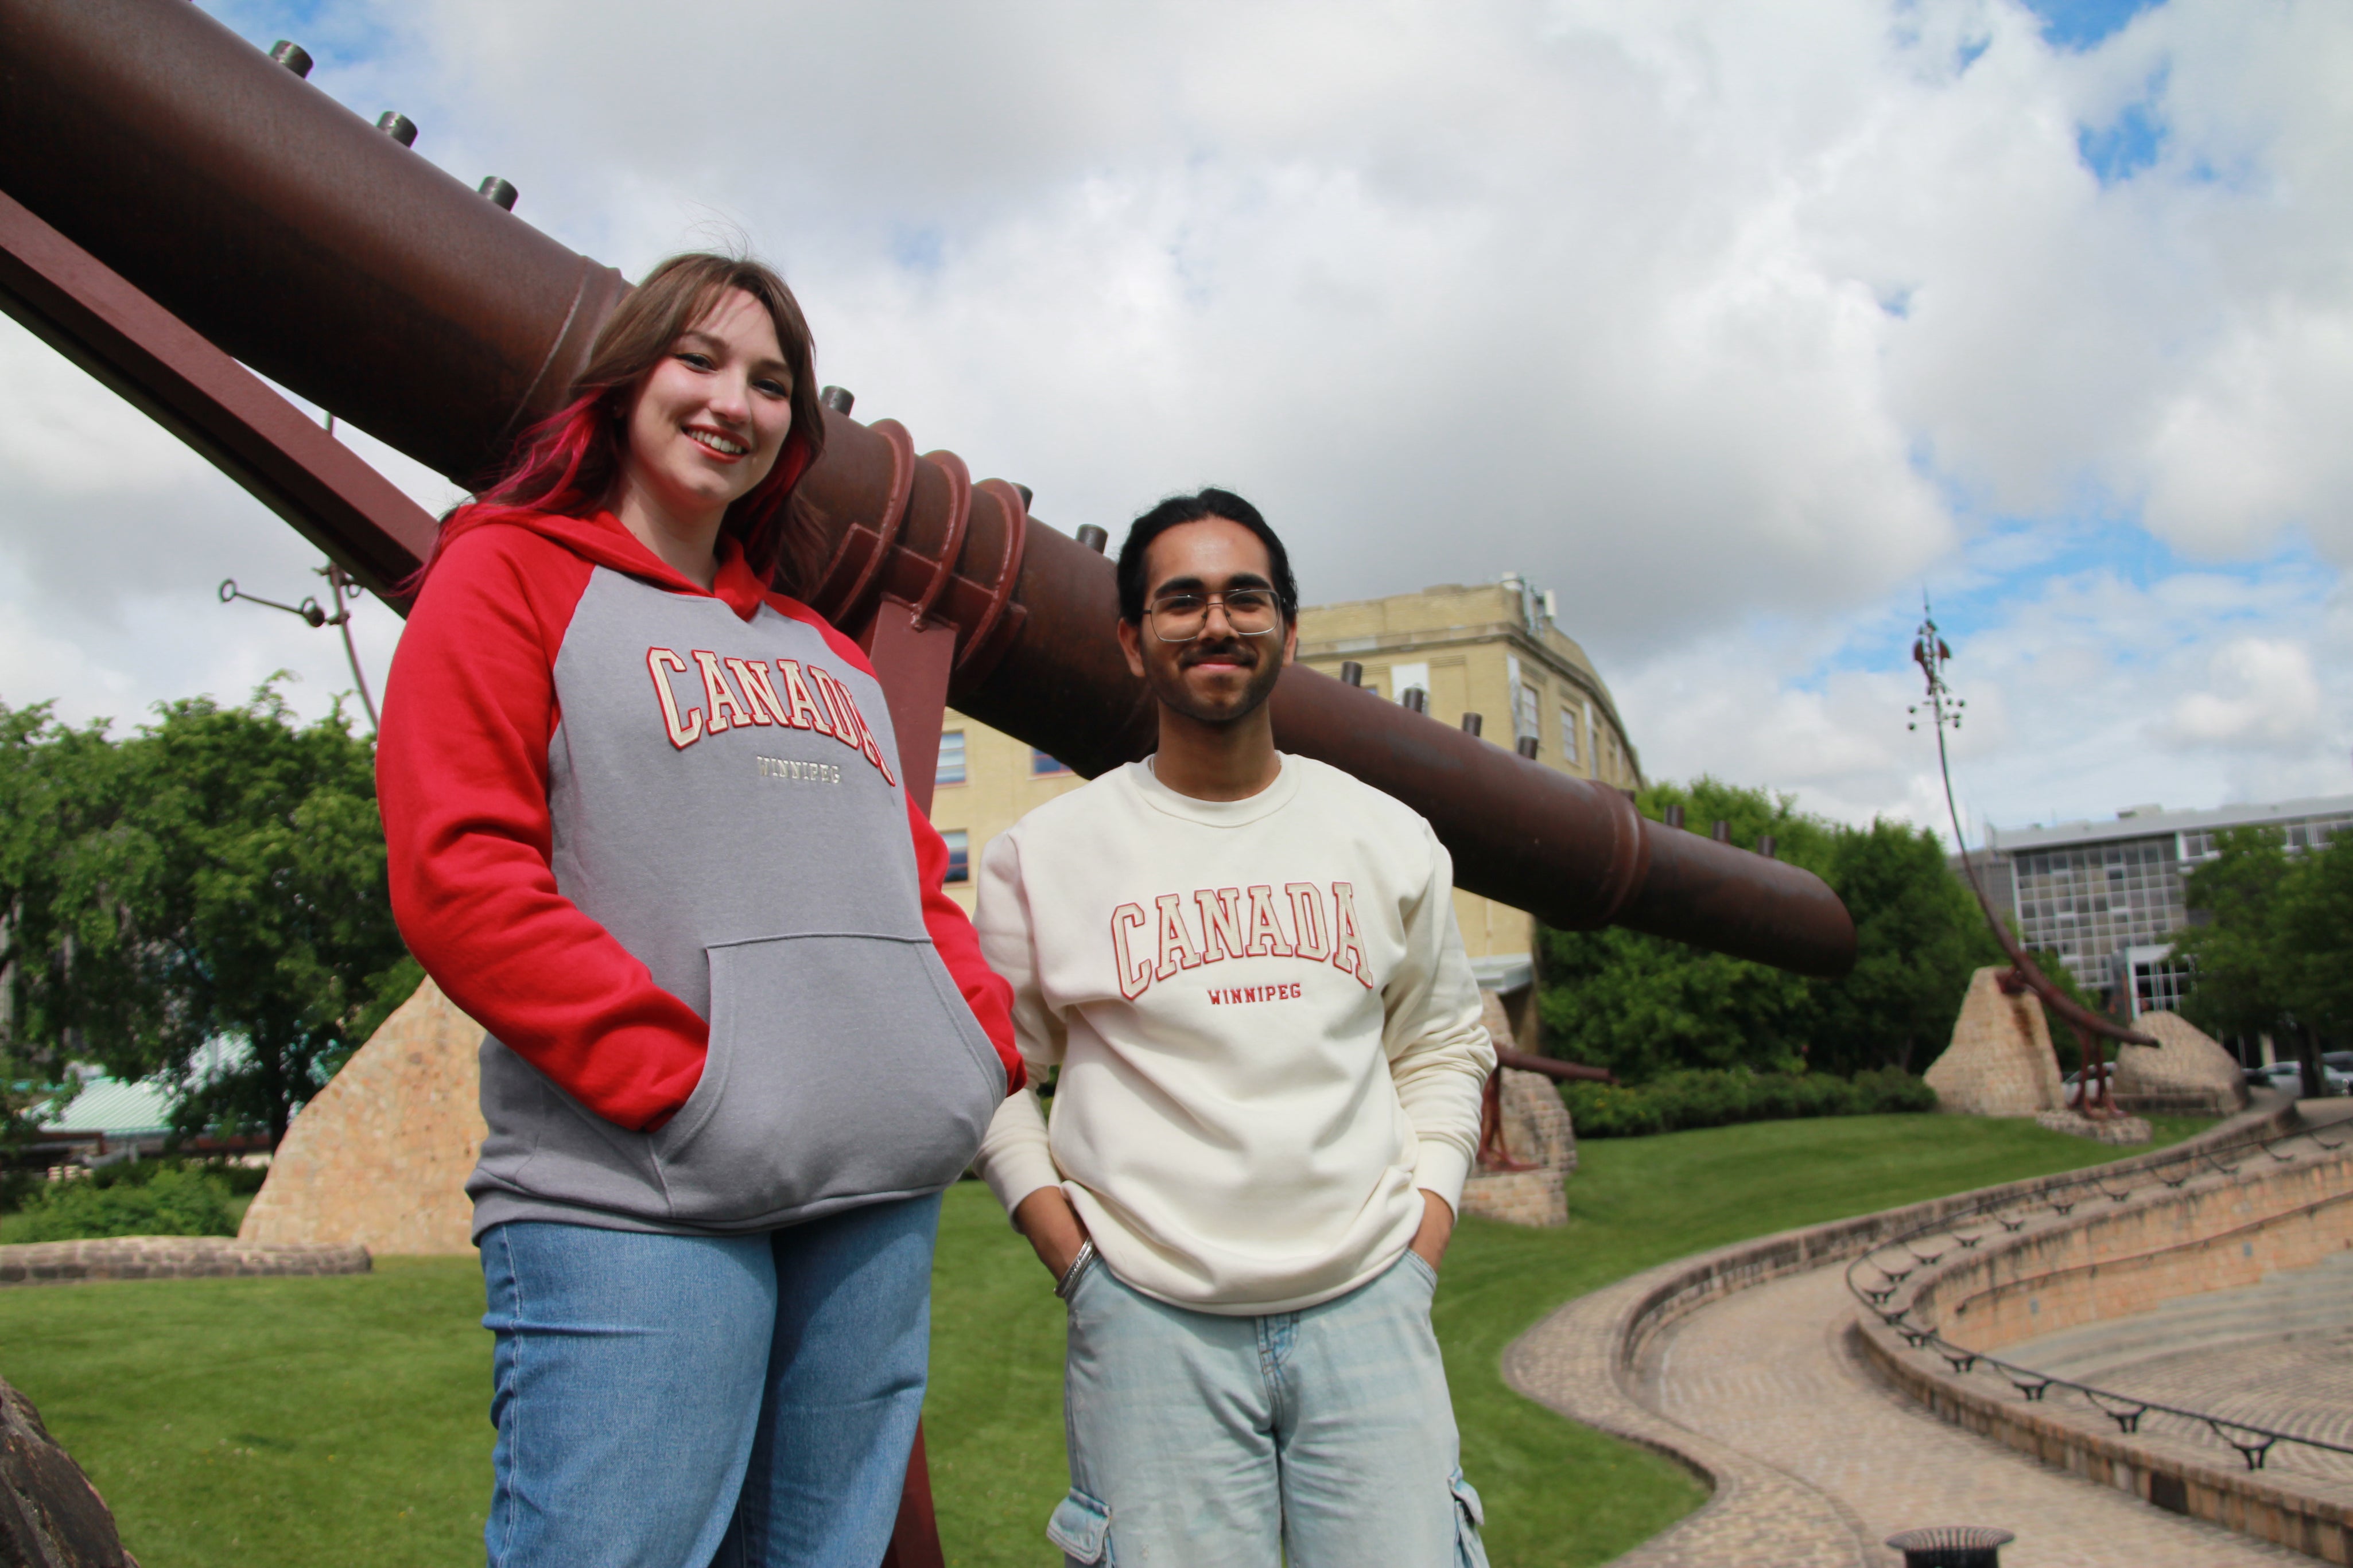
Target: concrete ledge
2255, 1503
1579, 1362
170, 1258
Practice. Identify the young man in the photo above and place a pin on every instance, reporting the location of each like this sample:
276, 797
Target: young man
1245, 965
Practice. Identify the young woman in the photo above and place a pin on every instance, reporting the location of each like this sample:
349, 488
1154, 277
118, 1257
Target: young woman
647, 827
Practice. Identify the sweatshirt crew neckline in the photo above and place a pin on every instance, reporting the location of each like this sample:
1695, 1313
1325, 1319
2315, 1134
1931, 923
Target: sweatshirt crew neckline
1217, 813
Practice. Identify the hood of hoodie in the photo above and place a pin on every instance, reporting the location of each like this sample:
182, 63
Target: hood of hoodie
600, 538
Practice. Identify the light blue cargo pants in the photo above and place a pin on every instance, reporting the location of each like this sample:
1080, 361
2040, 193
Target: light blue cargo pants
1203, 1441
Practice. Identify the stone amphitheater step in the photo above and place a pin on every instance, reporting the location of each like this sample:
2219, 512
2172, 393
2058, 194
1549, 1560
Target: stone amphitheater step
2288, 1304
1814, 1462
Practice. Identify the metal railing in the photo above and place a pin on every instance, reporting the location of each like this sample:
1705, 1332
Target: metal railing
1907, 1252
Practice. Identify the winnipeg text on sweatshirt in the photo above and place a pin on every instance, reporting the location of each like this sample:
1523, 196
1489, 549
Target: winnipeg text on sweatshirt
1267, 1029
653, 839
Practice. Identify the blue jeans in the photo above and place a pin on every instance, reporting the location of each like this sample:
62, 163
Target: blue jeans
1323, 1437
702, 1402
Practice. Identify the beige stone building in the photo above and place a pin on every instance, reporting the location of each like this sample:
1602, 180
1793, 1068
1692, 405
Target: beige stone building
1490, 649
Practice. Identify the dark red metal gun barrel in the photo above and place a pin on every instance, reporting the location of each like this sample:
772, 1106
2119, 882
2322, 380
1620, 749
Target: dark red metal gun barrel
321, 252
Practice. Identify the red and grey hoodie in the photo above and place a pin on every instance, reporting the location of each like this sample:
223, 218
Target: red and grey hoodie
653, 839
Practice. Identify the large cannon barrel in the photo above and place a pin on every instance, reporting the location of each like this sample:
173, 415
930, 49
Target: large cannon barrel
321, 252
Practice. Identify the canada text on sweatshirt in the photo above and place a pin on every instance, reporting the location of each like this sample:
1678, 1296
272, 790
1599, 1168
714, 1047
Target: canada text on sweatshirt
653, 839
1267, 1029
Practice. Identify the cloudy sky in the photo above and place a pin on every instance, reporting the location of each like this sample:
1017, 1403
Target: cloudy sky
1740, 326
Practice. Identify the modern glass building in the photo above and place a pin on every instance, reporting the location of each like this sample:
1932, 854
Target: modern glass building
2108, 896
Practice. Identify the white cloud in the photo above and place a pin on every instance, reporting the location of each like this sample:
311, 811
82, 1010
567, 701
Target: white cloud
2264, 694
2086, 694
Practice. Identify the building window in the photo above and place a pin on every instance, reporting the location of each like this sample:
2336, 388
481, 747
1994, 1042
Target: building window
1043, 766
1527, 716
1572, 726
2163, 982
1405, 677
959, 843
951, 769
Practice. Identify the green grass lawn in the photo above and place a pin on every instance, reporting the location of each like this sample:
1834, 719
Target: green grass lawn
271, 1422
296, 1423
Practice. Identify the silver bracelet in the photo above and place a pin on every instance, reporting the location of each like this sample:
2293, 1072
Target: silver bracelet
1086, 1255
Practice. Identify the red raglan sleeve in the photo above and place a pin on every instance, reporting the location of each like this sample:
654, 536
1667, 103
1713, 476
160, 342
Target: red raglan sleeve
985, 992
461, 778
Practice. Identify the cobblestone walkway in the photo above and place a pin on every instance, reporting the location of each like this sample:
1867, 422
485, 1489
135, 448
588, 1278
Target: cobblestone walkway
1765, 1372
1757, 1515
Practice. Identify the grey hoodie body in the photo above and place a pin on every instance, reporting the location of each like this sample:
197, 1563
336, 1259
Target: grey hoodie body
706, 810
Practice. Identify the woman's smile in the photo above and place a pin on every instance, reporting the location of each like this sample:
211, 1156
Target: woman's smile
719, 443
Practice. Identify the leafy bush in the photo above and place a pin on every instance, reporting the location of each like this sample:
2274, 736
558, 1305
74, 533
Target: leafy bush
169, 1200
1719, 1097
1645, 1005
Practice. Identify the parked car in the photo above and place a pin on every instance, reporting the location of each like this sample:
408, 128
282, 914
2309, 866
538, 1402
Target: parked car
2289, 1075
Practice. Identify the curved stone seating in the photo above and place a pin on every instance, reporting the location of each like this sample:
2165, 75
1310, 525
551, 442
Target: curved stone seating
2241, 1219
170, 1257
1584, 1359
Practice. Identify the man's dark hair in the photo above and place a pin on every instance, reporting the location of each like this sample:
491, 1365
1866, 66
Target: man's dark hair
1179, 509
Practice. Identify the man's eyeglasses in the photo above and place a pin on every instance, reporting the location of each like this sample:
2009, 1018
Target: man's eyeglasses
1179, 617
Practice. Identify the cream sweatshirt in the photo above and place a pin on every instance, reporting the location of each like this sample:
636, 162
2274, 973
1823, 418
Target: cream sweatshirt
1267, 1029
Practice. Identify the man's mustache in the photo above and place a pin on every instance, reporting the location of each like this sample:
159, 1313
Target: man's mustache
1229, 650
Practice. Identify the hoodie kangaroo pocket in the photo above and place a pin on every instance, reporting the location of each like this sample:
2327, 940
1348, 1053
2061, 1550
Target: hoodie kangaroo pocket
842, 1070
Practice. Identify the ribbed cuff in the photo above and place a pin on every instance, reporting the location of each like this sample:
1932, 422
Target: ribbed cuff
1014, 1174
1442, 1168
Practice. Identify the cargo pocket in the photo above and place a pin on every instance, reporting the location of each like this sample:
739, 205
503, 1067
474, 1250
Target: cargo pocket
1082, 1528
1470, 1551
841, 1069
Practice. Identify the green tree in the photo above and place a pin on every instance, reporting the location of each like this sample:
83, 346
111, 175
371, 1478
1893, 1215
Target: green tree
1919, 935
58, 797
1642, 1005
232, 890
2315, 927
2250, 972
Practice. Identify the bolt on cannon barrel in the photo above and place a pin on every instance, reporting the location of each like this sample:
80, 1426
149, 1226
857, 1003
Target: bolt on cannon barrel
293, 234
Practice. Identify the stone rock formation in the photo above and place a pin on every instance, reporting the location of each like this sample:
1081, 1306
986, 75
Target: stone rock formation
2000, 1062
2188, 1075
1536, 1131
380, 1158
50, 1516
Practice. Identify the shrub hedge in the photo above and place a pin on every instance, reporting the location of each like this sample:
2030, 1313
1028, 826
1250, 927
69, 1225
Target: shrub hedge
1717, 1097
168, 1200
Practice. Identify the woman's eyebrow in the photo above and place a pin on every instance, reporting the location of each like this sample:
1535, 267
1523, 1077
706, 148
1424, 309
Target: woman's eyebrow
766, 367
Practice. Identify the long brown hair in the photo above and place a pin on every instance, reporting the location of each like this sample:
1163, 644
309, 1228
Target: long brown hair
571, 462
